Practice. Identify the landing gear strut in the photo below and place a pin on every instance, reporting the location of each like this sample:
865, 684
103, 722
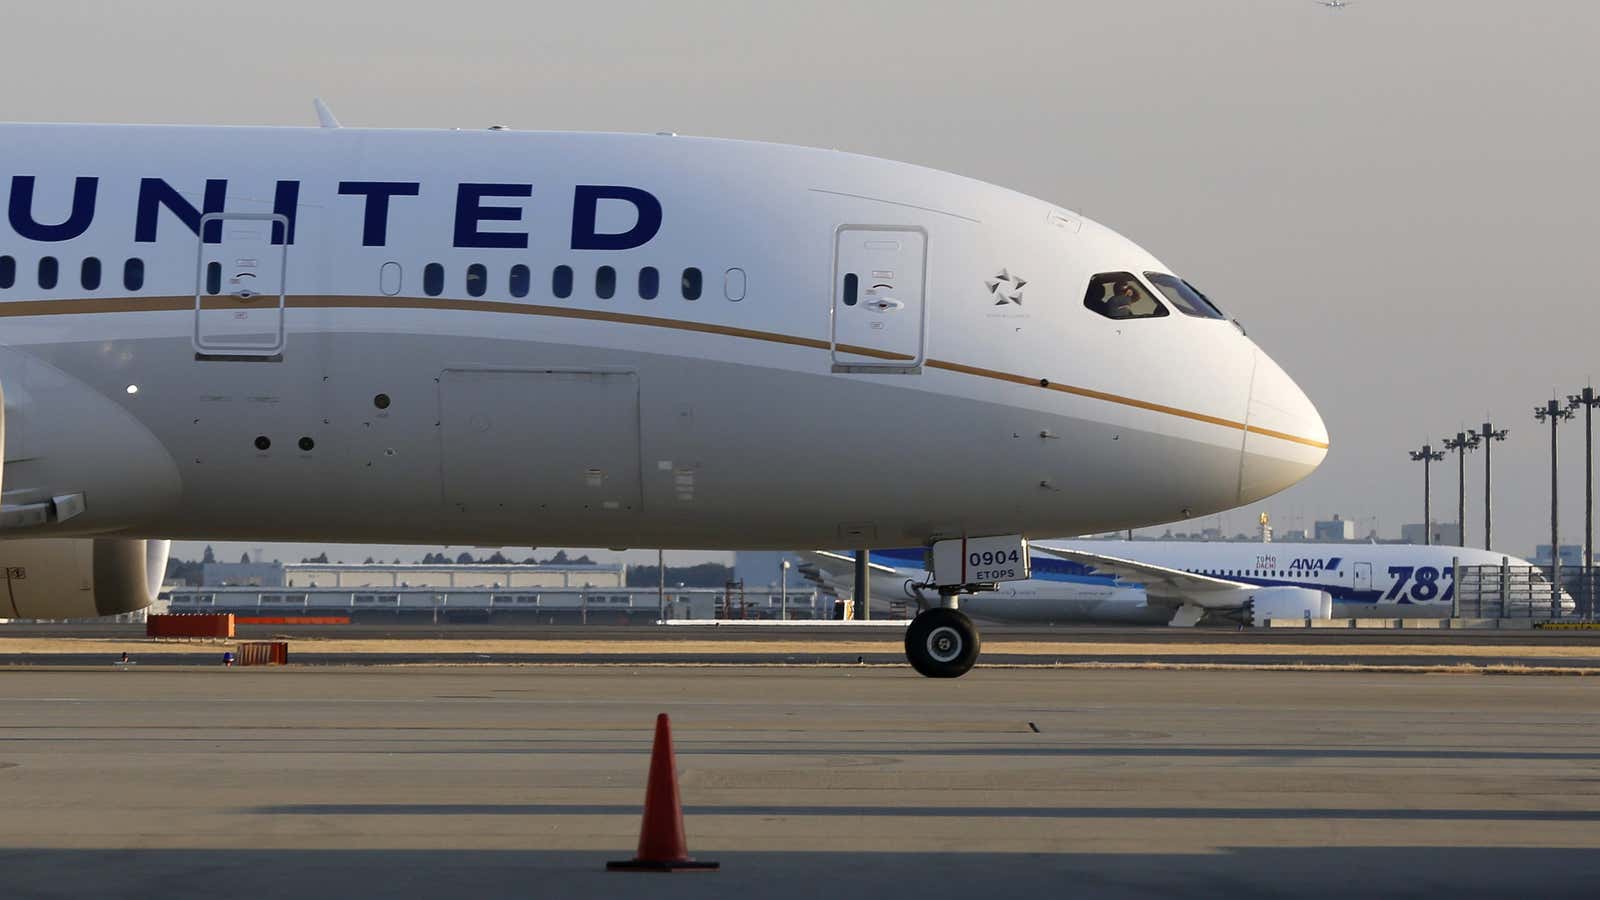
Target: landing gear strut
942, 643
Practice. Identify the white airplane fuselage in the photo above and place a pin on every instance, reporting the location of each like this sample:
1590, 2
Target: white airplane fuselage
1363, 580
240, 333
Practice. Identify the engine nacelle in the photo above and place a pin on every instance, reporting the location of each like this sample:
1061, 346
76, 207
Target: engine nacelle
1288, 603
79, 578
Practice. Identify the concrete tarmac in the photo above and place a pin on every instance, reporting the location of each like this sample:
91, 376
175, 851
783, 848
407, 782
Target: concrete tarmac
864, 782
800, 644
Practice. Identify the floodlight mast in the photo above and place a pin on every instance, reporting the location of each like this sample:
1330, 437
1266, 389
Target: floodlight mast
1488, 435
1463, 441
1554, 413
1588, 400
1427, 456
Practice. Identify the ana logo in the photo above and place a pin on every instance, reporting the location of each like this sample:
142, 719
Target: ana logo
1006, 288
1315, 565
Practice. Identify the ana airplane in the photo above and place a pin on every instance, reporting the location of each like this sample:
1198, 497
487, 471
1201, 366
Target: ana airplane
498, 337
1186, 582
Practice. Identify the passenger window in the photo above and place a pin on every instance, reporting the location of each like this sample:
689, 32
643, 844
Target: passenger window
691, 284
561, 282
214, 278
1182, 294
49, 272
390, 278
649, 282
8, 271
519, 281
1119, 295
89, 273
477, 279
133, 274
605, 282
852, 288
433, 279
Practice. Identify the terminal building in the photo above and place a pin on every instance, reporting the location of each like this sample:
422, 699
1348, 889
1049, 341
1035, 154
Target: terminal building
448, 575
1444, 534
469, 575
493, 606
416, 593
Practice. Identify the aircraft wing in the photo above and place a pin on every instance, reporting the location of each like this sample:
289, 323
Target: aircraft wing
837, 571
834, 574
1160, 582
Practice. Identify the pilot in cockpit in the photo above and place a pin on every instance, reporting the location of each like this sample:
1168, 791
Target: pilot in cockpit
1123, 296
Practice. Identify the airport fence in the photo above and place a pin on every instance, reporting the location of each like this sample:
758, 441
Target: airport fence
1526, 592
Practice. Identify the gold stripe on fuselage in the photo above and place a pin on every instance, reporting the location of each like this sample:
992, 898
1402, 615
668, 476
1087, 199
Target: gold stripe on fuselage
95, 305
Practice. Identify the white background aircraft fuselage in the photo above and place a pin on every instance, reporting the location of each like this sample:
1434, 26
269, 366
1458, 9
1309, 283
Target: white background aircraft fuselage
1379, 580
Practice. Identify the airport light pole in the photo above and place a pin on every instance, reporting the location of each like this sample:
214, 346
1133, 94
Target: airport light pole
1427, 456
1488, 435
783, 589
1554, 413
1588, 400
863, 585
1463, 441
661, 585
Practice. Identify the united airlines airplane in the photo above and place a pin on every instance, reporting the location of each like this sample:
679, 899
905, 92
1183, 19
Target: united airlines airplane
1186, 582
493, 337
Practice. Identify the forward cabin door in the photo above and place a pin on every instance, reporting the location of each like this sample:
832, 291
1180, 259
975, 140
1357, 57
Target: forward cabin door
239, 286
879, 299
1363, 576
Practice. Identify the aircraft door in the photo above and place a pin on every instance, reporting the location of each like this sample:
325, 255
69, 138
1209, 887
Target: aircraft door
879, 299
239, 285
1362, 576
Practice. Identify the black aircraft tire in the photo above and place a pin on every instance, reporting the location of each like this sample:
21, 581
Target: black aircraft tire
942, 643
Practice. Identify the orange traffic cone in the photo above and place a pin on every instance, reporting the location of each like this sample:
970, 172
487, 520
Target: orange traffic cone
662, 846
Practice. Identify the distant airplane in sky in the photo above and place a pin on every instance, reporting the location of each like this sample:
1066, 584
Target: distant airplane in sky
1332, 4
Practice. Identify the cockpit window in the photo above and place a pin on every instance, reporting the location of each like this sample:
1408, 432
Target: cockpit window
1184, 296
1119, 295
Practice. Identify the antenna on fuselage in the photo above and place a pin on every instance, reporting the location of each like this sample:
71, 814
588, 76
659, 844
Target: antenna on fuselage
325, 116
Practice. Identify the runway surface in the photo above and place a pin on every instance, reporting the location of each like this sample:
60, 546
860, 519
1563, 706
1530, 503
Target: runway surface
841, 782
831, 645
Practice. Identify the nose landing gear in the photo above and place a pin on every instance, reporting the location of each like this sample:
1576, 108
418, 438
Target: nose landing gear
942, 643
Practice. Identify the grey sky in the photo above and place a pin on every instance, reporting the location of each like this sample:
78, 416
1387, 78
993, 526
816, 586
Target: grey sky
1397, 200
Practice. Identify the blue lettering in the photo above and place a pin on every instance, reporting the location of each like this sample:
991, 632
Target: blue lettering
470, 211
585, 204
155, 193
285, 202
375, 223
22, 221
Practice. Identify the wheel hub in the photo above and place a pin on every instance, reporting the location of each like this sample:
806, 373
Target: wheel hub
945, 643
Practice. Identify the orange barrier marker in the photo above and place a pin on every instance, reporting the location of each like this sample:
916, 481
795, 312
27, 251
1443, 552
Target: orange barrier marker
662, 845
264, 653
189, 625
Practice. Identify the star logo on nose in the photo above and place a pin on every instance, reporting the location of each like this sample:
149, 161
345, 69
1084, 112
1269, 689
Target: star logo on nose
1006, 288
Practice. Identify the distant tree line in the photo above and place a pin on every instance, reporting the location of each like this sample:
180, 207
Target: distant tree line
191, 572
703, 575
184, 571
500, 559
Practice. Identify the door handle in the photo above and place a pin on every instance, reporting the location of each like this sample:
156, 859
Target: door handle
883, 304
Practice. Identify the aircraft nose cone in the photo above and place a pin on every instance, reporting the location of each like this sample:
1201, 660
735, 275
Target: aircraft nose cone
1285, 439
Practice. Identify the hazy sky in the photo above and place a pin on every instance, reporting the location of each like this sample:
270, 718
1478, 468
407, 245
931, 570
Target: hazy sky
1398, 200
